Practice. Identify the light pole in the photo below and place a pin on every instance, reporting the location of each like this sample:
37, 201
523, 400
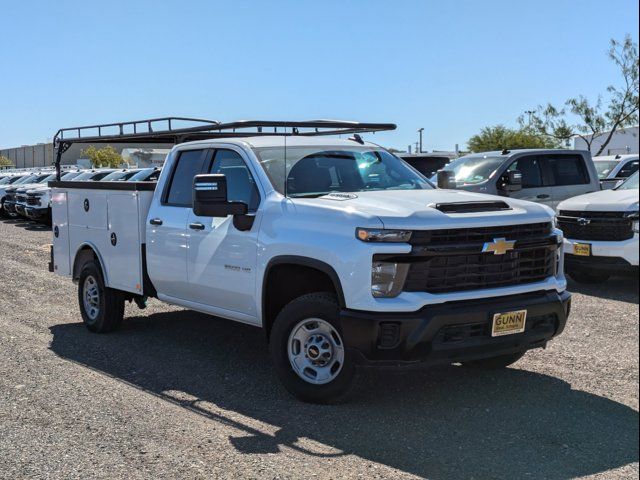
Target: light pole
420, 130
529, 113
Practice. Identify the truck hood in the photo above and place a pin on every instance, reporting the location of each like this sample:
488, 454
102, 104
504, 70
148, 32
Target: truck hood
604, 201
415, 209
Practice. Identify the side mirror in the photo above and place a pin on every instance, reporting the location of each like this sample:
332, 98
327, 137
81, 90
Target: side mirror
512, 181
210, 197
446, 179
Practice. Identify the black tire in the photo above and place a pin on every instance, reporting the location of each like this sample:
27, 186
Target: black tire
589, 278
495, 363
322, 306
110, 303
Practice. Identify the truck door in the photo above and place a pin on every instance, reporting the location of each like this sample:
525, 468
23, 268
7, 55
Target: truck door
221, 260
533, 185
167, 226
568, 176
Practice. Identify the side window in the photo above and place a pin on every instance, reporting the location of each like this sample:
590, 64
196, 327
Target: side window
241, 187
531, 171
188, 165
568, 170
629, 169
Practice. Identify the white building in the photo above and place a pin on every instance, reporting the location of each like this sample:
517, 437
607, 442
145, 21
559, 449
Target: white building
624, 140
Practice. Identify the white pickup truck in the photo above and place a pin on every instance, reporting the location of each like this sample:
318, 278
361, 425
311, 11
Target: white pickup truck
601, 232
343, 254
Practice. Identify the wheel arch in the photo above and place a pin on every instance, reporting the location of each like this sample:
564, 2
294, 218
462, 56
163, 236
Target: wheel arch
323, 275
84, 253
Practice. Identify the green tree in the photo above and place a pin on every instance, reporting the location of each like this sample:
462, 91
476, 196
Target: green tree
500, 137
5, 162
103, 157
599, 120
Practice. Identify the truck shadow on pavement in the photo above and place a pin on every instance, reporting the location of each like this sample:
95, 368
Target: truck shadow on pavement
619, 288
444, 423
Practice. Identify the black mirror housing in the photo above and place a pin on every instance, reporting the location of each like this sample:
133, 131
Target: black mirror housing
446, 179
513, 181
210, 197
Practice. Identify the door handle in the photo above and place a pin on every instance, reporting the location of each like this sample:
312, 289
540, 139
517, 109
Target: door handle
543, 195
155, 221
196, 226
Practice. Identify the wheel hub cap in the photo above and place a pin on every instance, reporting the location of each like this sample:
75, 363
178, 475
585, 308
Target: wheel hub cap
316, 351
91, 297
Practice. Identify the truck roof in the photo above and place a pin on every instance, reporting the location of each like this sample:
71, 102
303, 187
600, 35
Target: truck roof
510, 153
279, 141
613, 158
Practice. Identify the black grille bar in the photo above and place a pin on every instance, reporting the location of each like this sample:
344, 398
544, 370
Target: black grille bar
480, 235
602, 226
443, 261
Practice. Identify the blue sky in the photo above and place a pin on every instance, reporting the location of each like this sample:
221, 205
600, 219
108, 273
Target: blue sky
450, 67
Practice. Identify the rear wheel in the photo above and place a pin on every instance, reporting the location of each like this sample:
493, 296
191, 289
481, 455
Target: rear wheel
102, 308
584, 276
308, 351
495, 363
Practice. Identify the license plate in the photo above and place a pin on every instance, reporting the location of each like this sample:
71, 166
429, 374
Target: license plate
508, 323
582, 249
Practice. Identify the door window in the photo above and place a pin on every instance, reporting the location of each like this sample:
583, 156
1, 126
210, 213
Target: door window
567, 170
188, 165
241, 187
531, 171
629, 169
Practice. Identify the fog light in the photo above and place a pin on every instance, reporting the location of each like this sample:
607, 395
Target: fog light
636, 226
387, 279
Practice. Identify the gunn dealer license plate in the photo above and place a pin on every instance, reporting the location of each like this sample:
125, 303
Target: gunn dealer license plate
508, 323
582, 249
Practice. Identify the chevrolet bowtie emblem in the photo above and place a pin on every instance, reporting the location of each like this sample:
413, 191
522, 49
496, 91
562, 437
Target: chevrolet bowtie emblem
499, 246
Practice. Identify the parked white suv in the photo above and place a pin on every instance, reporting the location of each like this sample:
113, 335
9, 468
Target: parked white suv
601, 233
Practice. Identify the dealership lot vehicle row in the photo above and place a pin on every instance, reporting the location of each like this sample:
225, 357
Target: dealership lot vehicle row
178, 394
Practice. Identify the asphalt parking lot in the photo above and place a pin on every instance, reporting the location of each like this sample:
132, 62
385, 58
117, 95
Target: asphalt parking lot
176, 394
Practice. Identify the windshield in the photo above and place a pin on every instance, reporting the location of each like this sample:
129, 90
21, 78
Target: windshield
95, 176
604, 168
27, 179
317, 171
118, 175
471, 170
69, 176
145, 175
630, 183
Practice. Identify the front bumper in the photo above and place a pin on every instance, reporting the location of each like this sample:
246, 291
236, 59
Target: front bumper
10, 207
20, 209
454, 331
37, 213
625, 249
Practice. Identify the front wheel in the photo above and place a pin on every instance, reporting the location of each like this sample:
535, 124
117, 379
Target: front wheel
102, 308
308, 351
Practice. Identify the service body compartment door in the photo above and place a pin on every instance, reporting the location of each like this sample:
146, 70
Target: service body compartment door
123, 253
88, 208
60, 222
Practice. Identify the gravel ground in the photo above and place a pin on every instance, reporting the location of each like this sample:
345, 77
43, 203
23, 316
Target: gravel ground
176, 394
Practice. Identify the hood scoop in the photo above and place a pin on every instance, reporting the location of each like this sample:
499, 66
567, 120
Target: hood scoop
471, 207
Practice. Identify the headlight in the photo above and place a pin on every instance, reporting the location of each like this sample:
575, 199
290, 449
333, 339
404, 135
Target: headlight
387, 278
634, 217
382, 235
